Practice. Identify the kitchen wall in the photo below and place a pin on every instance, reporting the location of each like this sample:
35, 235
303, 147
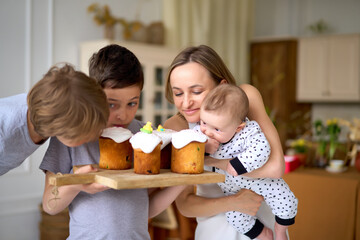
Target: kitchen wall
278, 18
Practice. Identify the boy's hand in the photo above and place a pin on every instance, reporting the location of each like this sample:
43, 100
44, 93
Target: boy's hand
92, 187
231, 170
211, 146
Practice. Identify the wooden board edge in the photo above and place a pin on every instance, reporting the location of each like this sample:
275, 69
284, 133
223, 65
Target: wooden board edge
202, 178
70, 179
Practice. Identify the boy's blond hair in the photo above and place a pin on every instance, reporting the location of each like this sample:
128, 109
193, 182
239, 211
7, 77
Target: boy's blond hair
68, 104
227, 99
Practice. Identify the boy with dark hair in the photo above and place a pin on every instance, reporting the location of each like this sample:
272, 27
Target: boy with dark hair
94, 212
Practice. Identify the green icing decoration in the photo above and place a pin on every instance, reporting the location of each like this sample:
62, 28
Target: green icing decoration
145, 130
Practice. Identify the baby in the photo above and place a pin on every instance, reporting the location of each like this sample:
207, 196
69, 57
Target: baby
234, 137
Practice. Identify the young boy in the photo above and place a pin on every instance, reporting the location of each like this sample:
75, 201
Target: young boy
94, 212
65, 103
223, 119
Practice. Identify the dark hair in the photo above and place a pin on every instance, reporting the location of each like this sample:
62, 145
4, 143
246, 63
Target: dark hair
115, 66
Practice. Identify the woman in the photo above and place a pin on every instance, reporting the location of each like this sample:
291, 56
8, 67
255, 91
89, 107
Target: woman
194, 72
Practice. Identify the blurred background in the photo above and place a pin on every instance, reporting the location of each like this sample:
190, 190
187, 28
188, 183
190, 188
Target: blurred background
35, 34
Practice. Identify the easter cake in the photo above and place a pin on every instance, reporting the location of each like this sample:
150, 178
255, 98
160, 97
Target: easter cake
188, 150
165, 135
115, 149
147, 148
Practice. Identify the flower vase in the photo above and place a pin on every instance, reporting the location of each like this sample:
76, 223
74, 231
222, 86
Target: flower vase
109, 32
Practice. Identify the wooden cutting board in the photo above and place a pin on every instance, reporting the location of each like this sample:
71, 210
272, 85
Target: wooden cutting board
127, 179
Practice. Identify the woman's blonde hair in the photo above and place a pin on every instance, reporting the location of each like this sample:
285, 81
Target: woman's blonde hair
69, 104
226, 99
205, 56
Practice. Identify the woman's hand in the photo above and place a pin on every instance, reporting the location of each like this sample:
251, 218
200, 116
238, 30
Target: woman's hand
192, 205
245, 201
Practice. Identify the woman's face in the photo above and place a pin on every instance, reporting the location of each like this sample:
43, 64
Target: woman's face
123, 104
190, 84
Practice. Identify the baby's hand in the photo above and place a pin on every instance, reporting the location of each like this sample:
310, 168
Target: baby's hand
231, 170
211, 146
92, 187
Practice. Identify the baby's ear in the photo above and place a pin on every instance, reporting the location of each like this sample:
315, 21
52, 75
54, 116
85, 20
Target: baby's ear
223, 81
240, 127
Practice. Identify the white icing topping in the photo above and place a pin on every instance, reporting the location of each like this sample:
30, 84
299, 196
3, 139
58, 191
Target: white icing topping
184, 137
145, 141
165, 136
118, 134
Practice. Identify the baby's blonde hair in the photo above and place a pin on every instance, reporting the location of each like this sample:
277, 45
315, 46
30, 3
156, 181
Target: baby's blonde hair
68, 104
227, 99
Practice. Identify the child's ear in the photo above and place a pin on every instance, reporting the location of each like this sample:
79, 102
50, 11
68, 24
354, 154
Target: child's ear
240, 127
223, 81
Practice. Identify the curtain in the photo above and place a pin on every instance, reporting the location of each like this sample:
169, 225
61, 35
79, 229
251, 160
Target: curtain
223, 25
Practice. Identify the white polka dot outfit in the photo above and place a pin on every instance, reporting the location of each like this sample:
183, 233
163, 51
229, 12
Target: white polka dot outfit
249, 150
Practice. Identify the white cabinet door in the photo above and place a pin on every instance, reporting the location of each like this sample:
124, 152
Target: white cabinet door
311, 82
343, 68
155, 61
328, 69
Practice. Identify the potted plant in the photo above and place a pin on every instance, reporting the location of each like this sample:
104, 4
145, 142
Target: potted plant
333, 130
103, 16
319, 132
301, 147
326, 137
131, 30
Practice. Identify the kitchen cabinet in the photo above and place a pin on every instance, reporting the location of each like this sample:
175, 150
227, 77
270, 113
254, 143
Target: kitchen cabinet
155, 61
329, 204
273, 73
329, 69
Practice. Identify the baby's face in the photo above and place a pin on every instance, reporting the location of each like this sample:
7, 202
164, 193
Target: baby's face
123, 104
219, 127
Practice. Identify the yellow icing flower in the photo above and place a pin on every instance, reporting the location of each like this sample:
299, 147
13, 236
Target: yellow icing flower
147, 128
160, 128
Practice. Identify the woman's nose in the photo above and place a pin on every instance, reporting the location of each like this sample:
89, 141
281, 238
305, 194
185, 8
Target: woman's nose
187, 101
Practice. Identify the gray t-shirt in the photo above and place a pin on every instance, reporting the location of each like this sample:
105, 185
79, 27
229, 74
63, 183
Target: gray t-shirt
111, 214
15, 142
